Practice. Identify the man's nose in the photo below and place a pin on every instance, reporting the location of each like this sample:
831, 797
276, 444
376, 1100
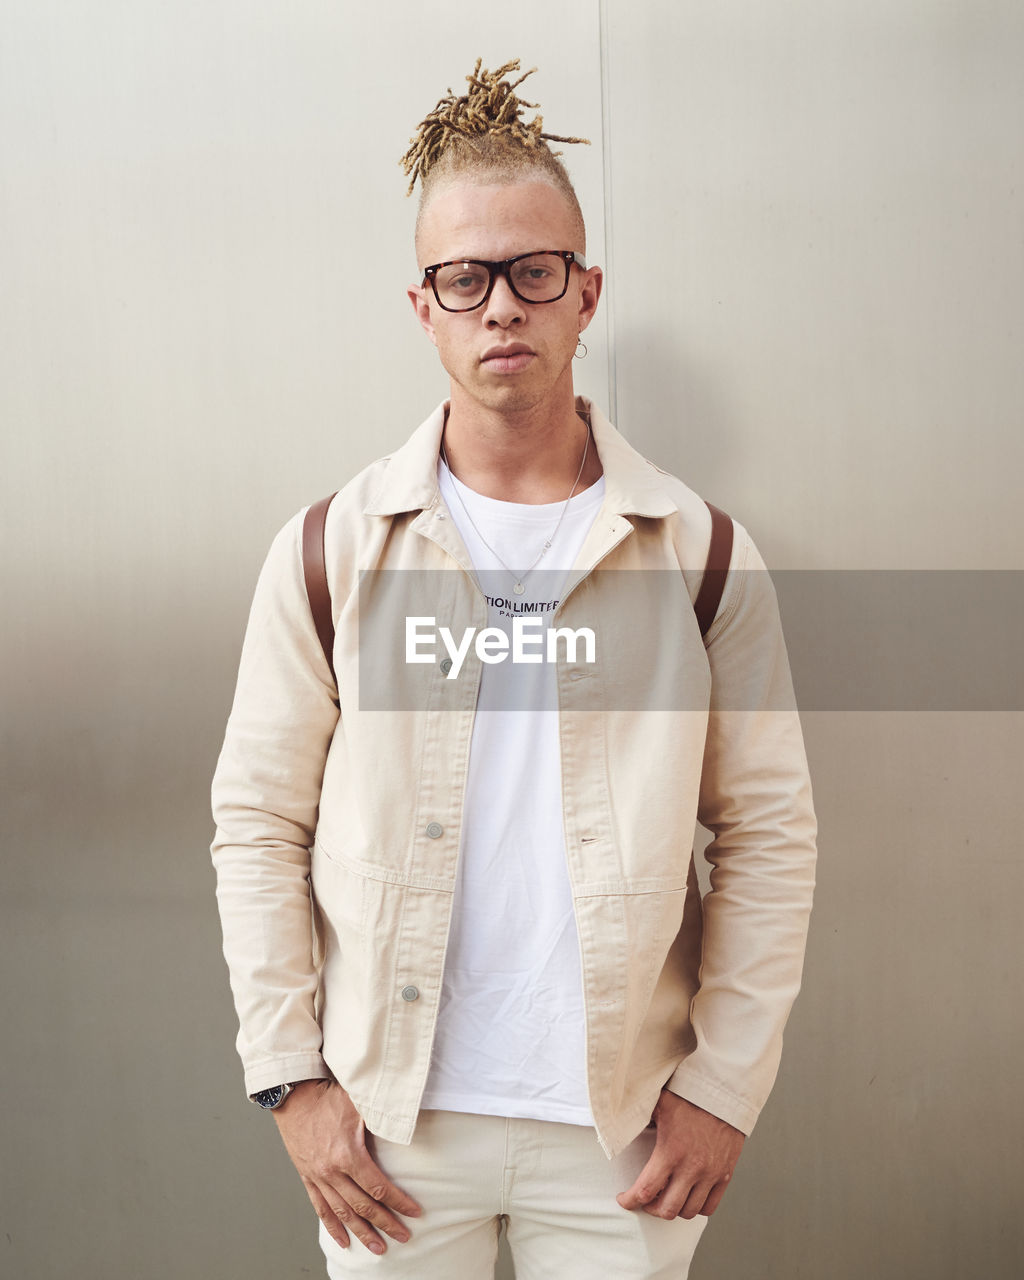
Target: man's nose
503, 307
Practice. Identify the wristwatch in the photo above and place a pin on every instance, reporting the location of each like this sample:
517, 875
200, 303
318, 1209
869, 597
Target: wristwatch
270, 1099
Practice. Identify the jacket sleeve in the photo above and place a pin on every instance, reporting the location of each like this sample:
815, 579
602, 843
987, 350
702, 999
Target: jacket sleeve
755, 797
266, 794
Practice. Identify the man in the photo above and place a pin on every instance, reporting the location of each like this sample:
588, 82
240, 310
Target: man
465, 938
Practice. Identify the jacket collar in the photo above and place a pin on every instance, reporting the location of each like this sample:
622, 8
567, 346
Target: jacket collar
633, 486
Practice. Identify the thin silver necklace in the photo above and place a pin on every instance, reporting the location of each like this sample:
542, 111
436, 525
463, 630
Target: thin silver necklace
517, 579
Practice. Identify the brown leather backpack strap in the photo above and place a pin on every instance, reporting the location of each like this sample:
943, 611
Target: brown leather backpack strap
709, 597
314, 568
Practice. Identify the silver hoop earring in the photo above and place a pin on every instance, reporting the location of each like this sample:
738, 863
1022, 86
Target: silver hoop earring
578, 354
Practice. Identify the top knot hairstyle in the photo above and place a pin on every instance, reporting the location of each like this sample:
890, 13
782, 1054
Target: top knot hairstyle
481, 136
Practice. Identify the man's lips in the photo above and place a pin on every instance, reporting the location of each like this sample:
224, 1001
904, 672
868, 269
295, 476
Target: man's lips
509, 358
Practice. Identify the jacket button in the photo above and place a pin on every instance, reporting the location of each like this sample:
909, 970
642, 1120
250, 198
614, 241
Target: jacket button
446, 665
435, 830
410, 993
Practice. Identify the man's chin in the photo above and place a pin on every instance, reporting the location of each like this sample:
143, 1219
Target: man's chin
509, 396
533, 389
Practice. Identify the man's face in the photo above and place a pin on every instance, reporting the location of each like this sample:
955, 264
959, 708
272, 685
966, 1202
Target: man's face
493, 223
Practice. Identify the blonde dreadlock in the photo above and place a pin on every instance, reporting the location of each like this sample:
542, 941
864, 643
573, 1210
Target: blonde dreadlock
482, 134
491, 108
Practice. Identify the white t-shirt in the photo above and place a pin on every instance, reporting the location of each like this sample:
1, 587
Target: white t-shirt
510, 1037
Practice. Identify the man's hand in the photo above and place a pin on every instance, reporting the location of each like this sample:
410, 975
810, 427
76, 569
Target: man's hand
691, 1164
325, 1137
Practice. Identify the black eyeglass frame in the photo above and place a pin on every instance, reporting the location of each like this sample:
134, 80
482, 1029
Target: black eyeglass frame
495, 269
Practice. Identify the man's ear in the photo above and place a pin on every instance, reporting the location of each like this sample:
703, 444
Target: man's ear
417, 295
590, 292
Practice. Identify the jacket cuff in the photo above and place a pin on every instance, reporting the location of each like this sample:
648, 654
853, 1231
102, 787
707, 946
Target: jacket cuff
713, 1097
287, 1069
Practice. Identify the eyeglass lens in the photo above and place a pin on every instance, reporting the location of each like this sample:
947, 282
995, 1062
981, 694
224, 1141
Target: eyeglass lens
541, 277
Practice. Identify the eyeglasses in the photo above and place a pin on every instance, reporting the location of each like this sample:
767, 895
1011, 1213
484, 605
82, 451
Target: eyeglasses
465, 284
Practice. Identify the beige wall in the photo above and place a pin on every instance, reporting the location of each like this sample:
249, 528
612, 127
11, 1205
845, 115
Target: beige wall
814, 315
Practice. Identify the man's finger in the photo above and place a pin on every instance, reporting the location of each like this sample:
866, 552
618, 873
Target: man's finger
340, 1215
696, 1201
649, 1184
326, 1214
715, 1198
368, 1175
670, 1203
365, 1208
342, 1212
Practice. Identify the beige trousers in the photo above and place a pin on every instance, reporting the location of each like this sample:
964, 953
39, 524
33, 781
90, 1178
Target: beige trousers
550, 1184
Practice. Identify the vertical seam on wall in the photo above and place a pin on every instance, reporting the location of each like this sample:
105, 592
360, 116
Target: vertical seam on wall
606, 185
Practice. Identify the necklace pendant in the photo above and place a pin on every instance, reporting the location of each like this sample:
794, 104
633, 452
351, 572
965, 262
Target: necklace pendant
518, 589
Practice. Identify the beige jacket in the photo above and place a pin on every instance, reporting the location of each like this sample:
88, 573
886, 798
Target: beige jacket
338, 834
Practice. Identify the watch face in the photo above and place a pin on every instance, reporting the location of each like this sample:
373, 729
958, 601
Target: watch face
270, 1098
